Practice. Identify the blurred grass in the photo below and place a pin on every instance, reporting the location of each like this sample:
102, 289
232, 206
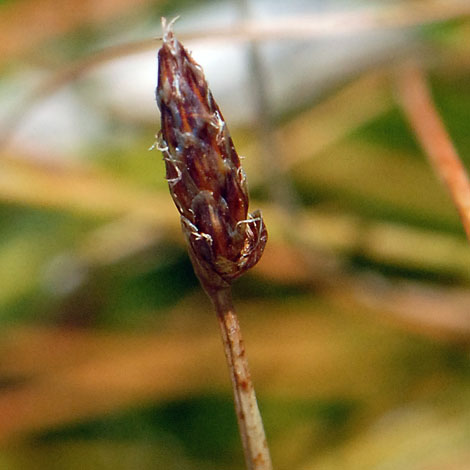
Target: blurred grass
357, 320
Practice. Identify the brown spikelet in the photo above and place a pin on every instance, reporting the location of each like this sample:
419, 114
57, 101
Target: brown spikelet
203, 170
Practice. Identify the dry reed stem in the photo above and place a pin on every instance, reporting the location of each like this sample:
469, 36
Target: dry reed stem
271, 155
91, 369
303, 27
25, 24
248, 416
420, 110
54, 21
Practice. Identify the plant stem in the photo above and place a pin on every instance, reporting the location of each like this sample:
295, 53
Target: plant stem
419, 108
249, 419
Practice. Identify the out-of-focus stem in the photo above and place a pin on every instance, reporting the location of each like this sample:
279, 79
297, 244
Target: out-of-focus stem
248, 416
421, 112
280, 188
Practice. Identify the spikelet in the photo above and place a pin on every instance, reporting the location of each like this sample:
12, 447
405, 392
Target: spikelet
203, 171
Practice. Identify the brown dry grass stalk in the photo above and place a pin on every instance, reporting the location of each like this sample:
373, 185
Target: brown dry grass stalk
301, 26
49, 18
208, 187
419, 108
249, 419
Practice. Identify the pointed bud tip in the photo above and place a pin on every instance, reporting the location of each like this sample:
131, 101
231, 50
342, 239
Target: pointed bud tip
167, 27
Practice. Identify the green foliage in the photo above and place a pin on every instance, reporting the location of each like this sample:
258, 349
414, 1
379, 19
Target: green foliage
348, 375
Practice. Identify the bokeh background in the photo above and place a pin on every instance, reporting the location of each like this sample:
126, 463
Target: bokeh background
357, 318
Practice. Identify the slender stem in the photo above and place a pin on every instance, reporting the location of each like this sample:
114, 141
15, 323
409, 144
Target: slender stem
280, 188
249, 419
422, 114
